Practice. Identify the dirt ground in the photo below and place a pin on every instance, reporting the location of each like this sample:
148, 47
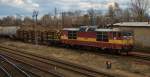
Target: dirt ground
123, 65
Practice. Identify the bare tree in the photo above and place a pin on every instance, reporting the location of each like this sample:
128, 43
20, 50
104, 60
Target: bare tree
91, 13
139, 9
18, 19
111, 12
8, 20
67, 19
86, 19
126, 15
114, 13
28, 21
46, 20
110, 15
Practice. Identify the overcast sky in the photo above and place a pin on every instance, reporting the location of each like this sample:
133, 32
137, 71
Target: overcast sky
26, 7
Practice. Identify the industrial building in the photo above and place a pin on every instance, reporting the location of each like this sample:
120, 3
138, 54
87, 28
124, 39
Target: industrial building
141, 32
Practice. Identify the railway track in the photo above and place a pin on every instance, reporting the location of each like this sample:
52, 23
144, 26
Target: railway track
142, 59
113, 53
4, 72
140, 56
9, 69
49, 64
35, 71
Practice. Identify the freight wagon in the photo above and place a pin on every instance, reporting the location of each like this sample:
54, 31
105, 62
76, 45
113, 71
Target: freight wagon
9, 31
42, 36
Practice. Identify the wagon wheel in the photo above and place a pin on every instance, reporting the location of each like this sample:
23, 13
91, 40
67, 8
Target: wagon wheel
119, 51
127, 53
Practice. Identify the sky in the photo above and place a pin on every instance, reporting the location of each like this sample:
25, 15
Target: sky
26, 7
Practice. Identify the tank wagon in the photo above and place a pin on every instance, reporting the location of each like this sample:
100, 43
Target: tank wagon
87, 36
9, 31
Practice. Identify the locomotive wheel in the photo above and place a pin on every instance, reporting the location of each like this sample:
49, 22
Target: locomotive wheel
127, 53
118, 51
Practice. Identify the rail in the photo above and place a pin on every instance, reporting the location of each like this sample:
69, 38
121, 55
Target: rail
5, 71
54, 73
14, 65
87, 71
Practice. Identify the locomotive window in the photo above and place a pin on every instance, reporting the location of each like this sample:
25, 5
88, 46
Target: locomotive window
102, 36
119, 34
72, 35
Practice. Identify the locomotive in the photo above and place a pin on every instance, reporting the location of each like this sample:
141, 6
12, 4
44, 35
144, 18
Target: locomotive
113, 39
87, 36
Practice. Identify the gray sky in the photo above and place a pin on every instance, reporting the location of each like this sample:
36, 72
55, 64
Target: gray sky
26, 7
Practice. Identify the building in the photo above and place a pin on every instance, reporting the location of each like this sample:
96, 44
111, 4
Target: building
141, 32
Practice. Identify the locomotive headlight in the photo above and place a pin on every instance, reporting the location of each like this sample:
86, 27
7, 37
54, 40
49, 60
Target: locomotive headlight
115, 38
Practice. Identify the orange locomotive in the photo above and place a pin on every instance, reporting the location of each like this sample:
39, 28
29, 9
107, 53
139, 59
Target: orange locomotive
91, 36
87, 36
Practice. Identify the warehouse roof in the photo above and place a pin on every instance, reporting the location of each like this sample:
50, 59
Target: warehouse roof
133, 24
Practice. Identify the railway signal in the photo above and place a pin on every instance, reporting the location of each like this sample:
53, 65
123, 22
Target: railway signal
108, 64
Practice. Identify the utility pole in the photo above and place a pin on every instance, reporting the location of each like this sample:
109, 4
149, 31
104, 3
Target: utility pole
55, 17
63, 19
34, 16
92, 16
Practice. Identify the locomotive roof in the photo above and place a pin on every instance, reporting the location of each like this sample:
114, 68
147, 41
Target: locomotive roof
95, 27
108, 30
71, 29
100, 29
88, 26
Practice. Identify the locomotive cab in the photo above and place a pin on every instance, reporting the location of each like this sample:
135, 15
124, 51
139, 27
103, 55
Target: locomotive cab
127, 37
